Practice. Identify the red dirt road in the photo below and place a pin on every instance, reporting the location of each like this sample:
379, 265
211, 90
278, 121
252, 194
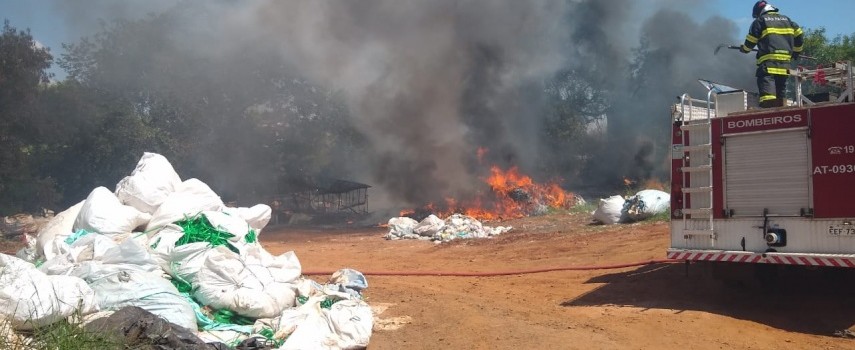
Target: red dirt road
649, 307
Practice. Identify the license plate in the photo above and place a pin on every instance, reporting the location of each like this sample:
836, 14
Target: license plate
841, 230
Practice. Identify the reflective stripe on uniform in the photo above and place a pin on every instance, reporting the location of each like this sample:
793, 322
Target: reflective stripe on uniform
783, 57
765, 98
798, 49
780, 31
777, 71
799, 31
751, 39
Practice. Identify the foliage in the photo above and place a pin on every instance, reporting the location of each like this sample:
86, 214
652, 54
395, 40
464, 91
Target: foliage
827, 51
23, 65
237, 106
89, 140
664, 216
237, 119
584, 208
824, 52
574, 115
66, 335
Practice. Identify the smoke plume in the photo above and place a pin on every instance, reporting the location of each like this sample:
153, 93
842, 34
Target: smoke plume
428, 83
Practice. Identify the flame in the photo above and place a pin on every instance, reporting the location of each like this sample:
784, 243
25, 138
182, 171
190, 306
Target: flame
511, 195
628, 182
654, 184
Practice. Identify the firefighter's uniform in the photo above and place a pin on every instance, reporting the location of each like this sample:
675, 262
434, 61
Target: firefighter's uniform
779, 41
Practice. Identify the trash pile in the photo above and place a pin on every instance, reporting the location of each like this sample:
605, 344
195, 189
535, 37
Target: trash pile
18, 225
173, 249
432, 228
643, 205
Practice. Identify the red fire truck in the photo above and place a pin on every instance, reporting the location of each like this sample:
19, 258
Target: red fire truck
765, 186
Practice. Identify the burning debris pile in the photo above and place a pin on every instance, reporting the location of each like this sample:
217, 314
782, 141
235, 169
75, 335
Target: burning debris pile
196, 263
512, 195
432, 228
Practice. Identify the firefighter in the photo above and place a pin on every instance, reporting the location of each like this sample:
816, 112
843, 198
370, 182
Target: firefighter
779, 42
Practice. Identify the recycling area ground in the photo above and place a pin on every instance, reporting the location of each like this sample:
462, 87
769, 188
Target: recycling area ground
659, 306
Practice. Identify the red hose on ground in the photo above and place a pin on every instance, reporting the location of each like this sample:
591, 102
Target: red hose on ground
501, 273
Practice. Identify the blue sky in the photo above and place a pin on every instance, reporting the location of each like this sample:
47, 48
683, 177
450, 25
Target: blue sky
807, 13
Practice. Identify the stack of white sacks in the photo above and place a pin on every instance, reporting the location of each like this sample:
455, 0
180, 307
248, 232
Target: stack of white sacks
117, 249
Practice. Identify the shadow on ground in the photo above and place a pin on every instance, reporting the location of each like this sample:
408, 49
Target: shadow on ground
804, 300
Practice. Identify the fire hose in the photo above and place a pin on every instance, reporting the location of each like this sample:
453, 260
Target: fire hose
503, 273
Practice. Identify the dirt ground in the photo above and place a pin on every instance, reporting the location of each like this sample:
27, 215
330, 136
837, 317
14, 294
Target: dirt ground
648, 307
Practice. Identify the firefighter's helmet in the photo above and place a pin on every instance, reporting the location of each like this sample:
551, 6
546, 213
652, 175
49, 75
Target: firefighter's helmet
762, 7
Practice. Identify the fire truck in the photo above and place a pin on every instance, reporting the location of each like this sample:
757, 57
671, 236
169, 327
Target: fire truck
765, 186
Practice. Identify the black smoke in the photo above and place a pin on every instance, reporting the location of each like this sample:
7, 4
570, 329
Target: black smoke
428, 83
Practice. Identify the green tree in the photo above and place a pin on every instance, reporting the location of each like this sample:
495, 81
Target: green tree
232, 115
23, 75
574, 122
827, 51
88, 140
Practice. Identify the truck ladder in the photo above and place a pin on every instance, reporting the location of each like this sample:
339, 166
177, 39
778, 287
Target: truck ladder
696, 170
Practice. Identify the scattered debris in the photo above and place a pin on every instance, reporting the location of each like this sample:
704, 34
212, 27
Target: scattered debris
137, 328
17, 225
432, 228
845, 334
643, 205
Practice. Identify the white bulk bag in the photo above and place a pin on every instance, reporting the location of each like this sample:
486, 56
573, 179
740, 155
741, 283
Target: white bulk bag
149, 184
233, 224
92, 246
346, 325
647, 203
190, 198
351, 322
610, 210
29, 298
244, 285
127, 275
59, 227
102, 212
257, 216
162, 243
429, 227
119, 286
185, 261
401, 227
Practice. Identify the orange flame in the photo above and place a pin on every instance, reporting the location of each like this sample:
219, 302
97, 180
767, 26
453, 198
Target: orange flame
512, 195
628, 182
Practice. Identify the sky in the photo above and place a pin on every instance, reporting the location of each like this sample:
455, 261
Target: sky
807, 13
48, 26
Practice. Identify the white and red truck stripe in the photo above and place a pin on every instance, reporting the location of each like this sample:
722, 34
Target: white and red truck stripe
764, 258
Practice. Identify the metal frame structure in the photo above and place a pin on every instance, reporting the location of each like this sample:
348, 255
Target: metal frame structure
839, 75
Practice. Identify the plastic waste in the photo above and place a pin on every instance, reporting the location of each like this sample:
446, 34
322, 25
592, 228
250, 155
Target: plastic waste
149, 184
610, 210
